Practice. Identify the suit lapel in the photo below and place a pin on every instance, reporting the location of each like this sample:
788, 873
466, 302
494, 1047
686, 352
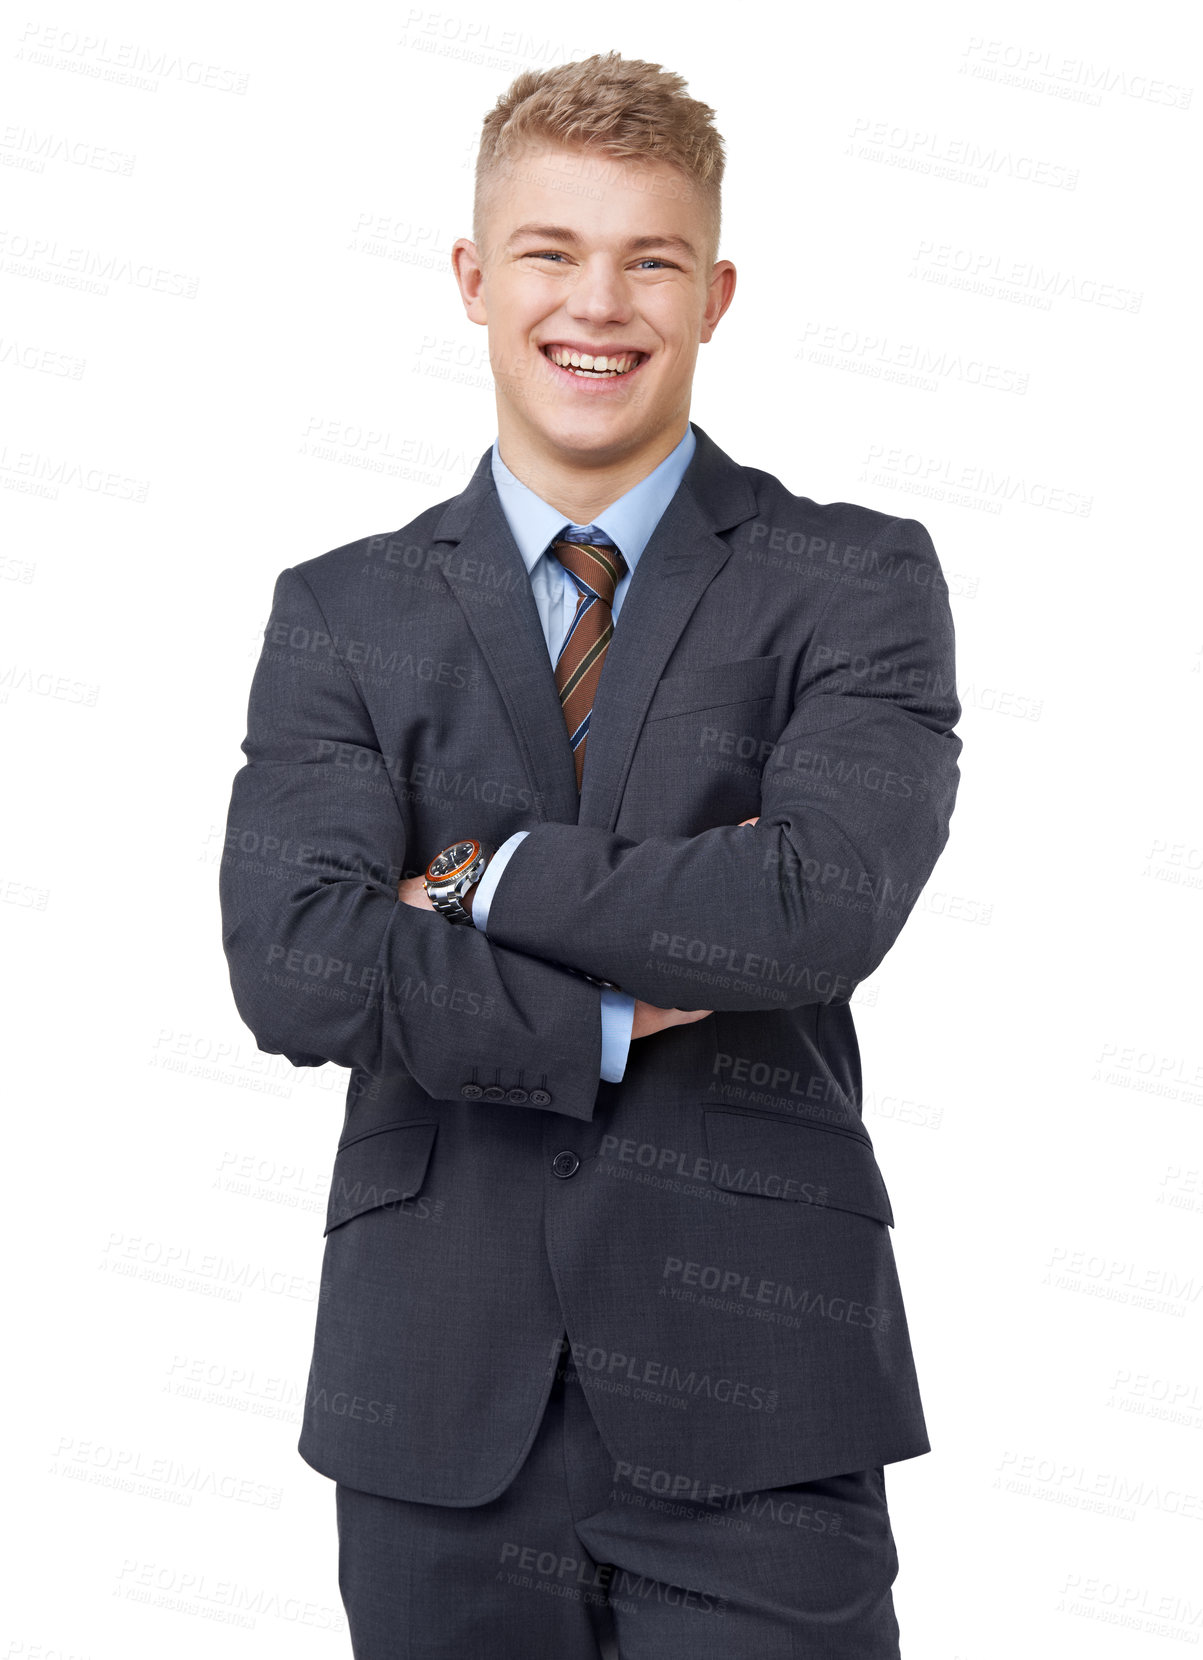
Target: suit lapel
485, 563
682, 557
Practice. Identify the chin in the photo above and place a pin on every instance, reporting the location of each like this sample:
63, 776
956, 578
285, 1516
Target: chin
584, 437
594, 421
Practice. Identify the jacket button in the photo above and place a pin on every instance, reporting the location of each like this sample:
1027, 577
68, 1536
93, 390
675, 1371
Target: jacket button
471, 1092
516, 1095
494, 1093
540, 1098
565, 1165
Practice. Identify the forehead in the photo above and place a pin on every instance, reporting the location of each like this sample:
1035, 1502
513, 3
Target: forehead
594, 196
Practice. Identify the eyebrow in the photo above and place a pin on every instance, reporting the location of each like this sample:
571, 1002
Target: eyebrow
637, 244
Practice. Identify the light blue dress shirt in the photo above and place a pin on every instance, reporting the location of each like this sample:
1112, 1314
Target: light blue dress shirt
628, 523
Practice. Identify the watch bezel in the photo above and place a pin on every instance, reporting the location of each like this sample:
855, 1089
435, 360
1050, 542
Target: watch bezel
449, 877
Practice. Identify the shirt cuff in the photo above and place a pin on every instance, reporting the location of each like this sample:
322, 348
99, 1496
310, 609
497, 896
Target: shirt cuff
617, 1019
483, 892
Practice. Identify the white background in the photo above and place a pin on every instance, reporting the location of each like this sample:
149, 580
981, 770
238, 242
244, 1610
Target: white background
230, 340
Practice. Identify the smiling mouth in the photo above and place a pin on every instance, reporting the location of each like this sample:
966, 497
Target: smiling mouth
587, 366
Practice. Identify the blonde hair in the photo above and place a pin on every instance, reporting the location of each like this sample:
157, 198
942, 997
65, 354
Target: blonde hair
622, 107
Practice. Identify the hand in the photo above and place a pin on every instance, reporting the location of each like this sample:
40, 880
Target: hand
412, 891
648, 1018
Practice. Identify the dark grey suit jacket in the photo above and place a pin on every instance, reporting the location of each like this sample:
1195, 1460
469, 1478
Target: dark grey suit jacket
717, 1242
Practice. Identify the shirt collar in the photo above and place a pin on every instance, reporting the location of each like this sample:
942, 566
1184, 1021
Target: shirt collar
628, 522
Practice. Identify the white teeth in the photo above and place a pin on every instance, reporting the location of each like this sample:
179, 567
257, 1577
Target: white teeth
582, 363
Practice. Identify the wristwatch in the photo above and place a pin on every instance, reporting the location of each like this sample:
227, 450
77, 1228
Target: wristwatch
452, 872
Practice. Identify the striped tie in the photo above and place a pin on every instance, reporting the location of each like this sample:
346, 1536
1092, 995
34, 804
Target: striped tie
597, 567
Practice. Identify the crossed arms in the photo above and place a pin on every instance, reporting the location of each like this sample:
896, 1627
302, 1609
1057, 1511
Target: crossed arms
327, 965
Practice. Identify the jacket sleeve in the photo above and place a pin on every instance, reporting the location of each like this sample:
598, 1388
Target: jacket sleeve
617, 1009
326, 963
856, 798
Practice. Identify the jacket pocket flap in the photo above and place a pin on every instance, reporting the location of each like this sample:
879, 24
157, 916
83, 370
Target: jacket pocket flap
781, 1159
750, 677
380, 1168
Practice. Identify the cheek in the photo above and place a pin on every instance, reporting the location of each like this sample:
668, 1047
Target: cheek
678, 354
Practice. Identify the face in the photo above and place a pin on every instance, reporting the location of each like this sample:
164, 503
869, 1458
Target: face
596, 290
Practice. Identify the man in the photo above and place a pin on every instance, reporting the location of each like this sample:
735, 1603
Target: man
573, 813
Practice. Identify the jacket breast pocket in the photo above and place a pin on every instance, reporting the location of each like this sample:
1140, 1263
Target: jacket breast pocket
746, 681
379, 1170
778, 1158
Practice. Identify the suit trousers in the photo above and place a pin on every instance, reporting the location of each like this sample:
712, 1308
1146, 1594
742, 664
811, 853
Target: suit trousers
583, 1559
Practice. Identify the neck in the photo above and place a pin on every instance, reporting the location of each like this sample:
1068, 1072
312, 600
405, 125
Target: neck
581, 487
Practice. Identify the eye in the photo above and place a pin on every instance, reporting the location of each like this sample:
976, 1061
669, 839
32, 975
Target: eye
545, 253
666, 264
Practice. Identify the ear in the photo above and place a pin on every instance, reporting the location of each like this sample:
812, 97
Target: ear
718, 296
469, 275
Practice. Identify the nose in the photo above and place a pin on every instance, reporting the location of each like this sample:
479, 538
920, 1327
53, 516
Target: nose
600, 294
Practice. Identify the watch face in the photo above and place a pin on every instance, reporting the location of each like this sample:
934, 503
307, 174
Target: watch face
452, 860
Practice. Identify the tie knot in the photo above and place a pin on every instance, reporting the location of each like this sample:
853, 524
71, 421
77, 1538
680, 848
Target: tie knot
596, 566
